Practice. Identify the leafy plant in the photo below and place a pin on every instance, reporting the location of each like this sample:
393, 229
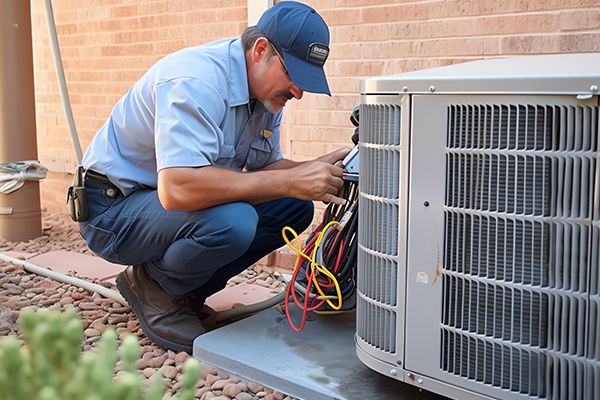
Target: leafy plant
51, 366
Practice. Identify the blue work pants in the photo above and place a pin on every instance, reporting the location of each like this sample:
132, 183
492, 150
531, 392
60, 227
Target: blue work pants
187, 251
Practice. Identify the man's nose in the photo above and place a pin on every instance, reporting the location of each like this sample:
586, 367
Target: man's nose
296, 92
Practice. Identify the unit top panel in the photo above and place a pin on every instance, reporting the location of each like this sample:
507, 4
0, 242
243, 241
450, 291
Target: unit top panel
570, 74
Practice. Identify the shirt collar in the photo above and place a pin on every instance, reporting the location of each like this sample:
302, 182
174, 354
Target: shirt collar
238, 86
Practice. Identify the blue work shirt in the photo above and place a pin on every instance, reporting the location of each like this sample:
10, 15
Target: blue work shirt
191, 109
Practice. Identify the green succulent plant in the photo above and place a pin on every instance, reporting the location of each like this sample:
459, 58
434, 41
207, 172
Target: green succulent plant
51, 365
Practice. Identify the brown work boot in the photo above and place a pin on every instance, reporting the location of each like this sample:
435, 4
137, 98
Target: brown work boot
168, 321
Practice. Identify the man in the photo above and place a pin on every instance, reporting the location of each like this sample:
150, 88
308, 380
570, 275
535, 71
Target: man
186, 182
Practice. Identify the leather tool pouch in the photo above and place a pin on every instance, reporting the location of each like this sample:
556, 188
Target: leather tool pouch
76, 198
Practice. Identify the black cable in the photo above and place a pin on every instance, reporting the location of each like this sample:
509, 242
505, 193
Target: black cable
338, 248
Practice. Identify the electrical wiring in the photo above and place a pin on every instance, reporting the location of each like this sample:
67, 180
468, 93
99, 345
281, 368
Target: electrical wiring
315, 265
324, 274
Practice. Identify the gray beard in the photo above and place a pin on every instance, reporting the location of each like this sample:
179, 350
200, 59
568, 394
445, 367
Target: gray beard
270, 107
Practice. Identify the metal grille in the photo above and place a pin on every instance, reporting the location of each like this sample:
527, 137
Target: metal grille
593, 352
374, 279
378, 225
519, 247
506, 367
370, 316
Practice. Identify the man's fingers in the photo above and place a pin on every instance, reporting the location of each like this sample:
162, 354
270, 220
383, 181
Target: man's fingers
336, 170
335, 156
329, 198
337, 182
343, 152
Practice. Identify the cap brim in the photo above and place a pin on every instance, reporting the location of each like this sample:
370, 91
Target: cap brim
308, 77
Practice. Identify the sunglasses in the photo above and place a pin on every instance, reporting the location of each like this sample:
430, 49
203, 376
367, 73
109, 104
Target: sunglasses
280, 60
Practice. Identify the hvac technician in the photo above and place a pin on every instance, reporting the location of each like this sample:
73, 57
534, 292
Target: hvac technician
186, 182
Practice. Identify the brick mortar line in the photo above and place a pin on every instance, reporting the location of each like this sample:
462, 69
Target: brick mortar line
108, 33
465, 17
143, 30
500, 36
207, 9
433, 2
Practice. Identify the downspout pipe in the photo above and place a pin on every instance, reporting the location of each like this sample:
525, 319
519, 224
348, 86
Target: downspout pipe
20, 211
62, 84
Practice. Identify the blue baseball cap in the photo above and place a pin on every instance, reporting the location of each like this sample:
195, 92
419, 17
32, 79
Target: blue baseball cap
302, 38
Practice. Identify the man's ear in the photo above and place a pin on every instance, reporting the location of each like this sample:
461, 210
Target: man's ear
260, 49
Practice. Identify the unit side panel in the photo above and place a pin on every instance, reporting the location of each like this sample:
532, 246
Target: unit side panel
425, 232
503, 240
592, 381
381, 270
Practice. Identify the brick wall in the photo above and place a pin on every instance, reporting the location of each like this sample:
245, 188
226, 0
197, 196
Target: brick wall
108, 44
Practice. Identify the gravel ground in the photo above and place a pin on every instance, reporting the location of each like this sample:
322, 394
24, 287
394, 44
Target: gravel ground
20, 290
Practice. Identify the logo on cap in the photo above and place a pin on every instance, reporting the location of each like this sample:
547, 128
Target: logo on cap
317, 53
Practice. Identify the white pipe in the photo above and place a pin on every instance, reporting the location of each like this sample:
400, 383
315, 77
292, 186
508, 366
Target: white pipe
113, 294
60, 76
89, 286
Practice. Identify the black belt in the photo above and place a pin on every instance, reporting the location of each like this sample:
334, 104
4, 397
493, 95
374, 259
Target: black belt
97, 177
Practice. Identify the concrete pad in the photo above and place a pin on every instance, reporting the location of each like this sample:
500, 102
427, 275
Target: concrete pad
85, 265
318, 363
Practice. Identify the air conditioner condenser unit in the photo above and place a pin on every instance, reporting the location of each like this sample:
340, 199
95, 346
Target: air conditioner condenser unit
479, 228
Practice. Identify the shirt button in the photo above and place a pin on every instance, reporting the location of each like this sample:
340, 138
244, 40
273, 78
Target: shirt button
110, 192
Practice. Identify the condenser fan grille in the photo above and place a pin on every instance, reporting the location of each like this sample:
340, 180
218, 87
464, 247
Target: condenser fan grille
537, 184
519, 243
506, 367
378, 214
593, 351
376, 286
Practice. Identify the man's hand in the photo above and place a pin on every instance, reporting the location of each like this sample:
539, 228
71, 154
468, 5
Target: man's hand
335, 157
320, 179
316, 180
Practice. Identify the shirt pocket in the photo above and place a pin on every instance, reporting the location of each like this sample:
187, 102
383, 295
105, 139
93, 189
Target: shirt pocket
226, 155
259, 153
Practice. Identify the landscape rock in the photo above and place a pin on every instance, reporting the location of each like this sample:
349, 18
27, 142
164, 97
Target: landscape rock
21, 290
181, 357
91, 332
231, 390
255, 387
169, 372
210, 379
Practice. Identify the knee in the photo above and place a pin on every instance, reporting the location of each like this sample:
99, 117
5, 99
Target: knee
306, 210
237, 227
297, 214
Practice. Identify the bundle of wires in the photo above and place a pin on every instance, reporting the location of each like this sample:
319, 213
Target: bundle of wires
324, 278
